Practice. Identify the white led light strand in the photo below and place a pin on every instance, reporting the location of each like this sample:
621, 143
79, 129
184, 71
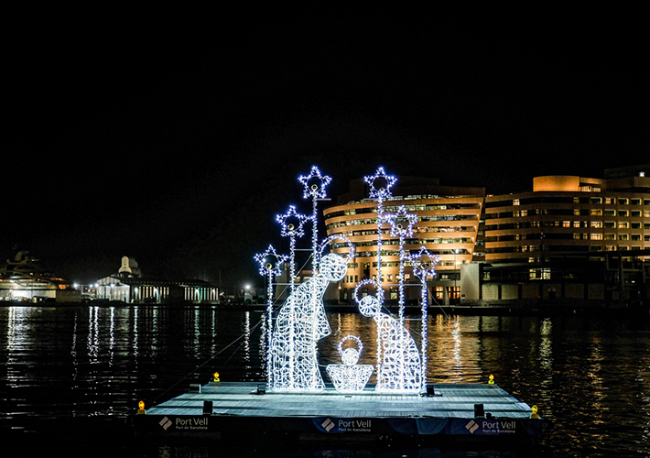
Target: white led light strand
423, 267
270, 266
399, 370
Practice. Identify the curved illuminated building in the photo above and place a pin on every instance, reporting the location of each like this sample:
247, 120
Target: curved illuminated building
447, 225
571, 238
565, 215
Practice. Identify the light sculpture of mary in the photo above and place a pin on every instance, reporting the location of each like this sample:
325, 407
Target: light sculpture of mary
301, 322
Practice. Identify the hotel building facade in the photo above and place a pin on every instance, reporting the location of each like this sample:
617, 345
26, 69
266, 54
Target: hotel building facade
570, 238
447, 225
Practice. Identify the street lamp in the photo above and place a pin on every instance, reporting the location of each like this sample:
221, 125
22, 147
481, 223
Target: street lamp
247, 288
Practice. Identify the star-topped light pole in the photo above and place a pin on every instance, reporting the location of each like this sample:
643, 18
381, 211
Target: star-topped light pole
380, 185
292, 226
314, 186
401, 226
423, 267
291, 230
270, 266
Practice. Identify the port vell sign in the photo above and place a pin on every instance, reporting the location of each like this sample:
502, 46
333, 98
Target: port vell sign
185, 423
343, 425
424, 426
490, 426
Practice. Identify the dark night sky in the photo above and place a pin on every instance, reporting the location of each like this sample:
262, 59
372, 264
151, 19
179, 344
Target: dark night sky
159, 138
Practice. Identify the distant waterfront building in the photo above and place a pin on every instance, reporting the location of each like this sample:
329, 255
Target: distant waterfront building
447, 224
570, 238
129, 286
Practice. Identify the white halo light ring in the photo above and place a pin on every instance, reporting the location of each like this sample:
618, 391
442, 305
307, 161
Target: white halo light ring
368, 281
350, 337
329, 239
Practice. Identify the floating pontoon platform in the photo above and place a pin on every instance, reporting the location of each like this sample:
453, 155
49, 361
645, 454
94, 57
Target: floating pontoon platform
222, 411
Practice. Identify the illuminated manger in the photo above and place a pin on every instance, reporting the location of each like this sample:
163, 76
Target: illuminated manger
350, 377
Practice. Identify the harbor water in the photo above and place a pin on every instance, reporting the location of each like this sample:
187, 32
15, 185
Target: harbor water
71, 375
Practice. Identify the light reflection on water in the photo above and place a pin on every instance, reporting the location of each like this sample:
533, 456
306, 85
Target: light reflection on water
590, 377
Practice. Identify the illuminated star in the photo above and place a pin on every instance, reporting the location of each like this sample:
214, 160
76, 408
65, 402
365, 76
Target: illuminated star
396, 220
290, 230
314, 190
265, 261
424, 264
382, 192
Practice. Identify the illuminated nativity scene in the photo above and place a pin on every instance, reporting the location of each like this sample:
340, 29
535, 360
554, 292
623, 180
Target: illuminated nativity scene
292, 364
